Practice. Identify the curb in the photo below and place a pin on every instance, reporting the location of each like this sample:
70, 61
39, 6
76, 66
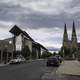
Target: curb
2, 65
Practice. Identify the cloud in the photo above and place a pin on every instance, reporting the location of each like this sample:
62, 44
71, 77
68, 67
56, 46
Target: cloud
38, 13
53, 7
47, 37
42, 19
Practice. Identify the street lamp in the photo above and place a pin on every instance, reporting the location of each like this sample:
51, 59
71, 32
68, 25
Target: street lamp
11, 43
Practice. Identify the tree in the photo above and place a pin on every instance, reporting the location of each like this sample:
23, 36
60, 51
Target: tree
75, 52
34, 54
46, 54
54, 53
26, 52
61, 53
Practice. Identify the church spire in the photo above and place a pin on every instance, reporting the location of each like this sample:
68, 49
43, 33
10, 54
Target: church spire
74, 37
65, 37
74, 28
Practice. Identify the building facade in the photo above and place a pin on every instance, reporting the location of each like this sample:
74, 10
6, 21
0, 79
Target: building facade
71, 47
20, 44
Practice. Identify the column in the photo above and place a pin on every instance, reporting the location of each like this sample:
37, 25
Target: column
12, 55
7, 57
37, 53
1, 56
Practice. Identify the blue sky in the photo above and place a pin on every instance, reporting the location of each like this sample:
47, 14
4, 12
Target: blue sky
42, 19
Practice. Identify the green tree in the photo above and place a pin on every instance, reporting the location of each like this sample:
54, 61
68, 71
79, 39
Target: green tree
26, 52
46, 54
54, 53
34, 54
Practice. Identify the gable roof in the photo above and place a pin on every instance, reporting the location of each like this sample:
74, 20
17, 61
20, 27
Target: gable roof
38, 44
16, 31
27, 35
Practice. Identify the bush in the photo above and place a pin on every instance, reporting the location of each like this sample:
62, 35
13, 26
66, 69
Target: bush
46, 54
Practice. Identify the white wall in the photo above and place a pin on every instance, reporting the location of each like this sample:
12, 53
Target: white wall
18, 43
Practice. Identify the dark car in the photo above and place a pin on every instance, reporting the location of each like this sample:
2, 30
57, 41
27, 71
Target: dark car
53, 61
59, 58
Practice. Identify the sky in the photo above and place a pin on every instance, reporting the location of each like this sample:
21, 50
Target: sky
43, 20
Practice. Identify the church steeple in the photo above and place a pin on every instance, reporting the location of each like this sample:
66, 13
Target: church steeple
74, 40
65, 37
74, 37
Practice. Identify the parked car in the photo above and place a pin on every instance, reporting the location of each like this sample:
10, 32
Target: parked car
17, 60
53, 61
59, 58
22, 59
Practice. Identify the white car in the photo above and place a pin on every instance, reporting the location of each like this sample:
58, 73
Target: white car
17, 60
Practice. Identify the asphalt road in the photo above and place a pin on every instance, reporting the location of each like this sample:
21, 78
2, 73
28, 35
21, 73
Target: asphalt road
28, 71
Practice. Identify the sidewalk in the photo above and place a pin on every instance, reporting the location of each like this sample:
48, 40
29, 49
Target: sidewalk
69, 68
2, 64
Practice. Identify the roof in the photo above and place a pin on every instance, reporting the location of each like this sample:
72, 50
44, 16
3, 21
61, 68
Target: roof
38, 44
16, 31
42, 46
26, 34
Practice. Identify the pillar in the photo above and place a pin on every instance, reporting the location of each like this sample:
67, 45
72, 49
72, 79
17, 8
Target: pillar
12, 55
1, 56
7, 57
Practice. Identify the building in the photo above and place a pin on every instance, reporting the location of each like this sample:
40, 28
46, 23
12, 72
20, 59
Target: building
70, 47
20, 44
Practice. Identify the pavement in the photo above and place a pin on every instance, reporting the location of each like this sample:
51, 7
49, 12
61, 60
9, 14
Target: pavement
69, 68
2, 64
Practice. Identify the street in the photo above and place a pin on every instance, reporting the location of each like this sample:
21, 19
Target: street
27, 71
37, 70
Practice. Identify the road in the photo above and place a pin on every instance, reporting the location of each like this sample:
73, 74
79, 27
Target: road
28, 71
68, 65
35, 70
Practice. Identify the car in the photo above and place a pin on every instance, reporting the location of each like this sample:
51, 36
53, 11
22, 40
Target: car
17, 61
22, 59
53, 61
59, 58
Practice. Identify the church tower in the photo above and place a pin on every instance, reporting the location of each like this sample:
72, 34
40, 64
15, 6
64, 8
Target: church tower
65, 42
65, 38
74, 39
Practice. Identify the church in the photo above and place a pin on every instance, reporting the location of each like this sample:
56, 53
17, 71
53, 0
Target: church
70, 48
